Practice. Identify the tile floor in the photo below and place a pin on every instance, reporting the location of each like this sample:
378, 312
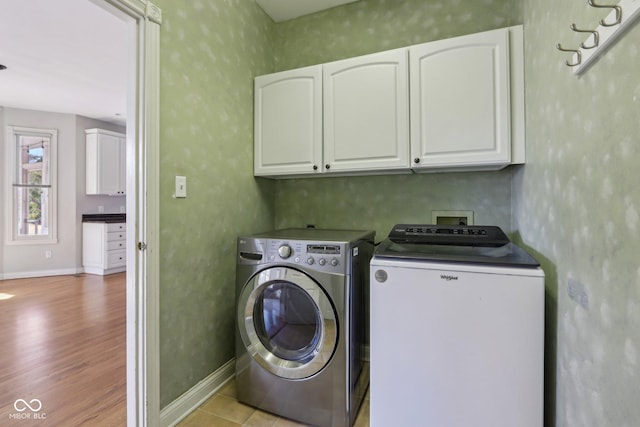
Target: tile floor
223, 410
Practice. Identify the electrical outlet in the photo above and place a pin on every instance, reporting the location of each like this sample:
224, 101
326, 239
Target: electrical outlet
452, 217
47, 254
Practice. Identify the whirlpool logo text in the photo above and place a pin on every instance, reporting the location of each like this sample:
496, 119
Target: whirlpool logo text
448, 278
28, 410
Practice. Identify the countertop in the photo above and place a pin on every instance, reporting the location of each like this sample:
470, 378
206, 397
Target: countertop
104, 217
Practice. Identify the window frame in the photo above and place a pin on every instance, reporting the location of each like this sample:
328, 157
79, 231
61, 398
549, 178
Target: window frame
11, 163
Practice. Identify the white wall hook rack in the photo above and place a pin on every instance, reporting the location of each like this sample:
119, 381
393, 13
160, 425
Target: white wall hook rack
619, 19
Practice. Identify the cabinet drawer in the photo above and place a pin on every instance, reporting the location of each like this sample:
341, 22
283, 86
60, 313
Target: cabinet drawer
116, 259
111, 237
116, 244
120, 226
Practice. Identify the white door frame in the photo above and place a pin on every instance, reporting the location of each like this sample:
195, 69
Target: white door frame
143, 137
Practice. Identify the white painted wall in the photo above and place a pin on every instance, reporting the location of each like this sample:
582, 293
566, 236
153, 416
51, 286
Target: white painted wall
2, 189
29, 260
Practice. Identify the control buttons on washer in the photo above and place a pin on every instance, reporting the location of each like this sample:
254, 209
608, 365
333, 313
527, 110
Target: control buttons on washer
284, 251
333, 262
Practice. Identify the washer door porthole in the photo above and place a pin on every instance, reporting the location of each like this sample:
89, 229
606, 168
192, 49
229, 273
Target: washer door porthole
287, 322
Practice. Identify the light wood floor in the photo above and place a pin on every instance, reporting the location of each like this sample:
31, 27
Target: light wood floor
62, 342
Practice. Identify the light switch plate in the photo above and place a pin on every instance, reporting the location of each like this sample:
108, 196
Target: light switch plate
181, 187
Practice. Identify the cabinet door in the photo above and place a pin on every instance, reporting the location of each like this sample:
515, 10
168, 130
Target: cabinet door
122, 167
93, 243
110, 165
288, 122
105, 163
460, 112
366, 119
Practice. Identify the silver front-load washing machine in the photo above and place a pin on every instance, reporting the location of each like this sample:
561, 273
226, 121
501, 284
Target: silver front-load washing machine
302, 323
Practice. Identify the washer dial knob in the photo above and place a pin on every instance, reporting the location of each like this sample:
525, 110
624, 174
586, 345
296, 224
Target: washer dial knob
285, 251
334, 262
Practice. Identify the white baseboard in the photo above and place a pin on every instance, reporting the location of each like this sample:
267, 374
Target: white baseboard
41, 273
177, 410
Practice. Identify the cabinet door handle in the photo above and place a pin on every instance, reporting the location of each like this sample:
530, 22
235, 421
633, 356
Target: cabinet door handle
416, 160
315, 167
327, 166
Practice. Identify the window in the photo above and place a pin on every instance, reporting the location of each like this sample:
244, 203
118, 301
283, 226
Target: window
31, 161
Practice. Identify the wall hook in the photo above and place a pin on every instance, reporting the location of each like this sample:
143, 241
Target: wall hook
618, 10
596, 37
576, 51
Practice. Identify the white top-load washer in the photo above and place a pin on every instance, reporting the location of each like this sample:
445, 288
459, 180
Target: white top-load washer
457, 329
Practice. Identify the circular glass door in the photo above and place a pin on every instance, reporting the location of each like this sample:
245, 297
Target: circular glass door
287, 322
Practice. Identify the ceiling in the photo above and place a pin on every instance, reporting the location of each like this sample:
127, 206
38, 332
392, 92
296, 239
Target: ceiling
283, 10
65, 56
70, 56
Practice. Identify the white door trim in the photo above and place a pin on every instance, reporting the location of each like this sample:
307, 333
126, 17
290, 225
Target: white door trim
143, 137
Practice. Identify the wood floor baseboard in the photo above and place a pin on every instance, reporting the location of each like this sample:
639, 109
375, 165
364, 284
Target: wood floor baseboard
177, 410
41, 273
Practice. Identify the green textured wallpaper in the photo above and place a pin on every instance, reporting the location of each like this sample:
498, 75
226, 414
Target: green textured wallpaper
368, 26
377, 203
576, 204
210, 52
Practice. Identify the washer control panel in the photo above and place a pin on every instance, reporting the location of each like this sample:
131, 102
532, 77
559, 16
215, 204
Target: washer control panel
452, 235
323, 256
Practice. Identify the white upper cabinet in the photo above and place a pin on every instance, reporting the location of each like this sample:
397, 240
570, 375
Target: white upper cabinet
288, 122
453, 104
366, 117
105, 162
461, 103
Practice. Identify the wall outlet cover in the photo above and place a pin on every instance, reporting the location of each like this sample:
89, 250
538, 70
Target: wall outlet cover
452, 217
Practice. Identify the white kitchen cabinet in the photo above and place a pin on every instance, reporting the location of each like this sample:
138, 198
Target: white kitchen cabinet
288, 122
104, 247
447, 105
366, 113
105, 162
462, 101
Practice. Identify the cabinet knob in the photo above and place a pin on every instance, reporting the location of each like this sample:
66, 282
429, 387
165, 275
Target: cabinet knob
327, 166
416, 160
315, 167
